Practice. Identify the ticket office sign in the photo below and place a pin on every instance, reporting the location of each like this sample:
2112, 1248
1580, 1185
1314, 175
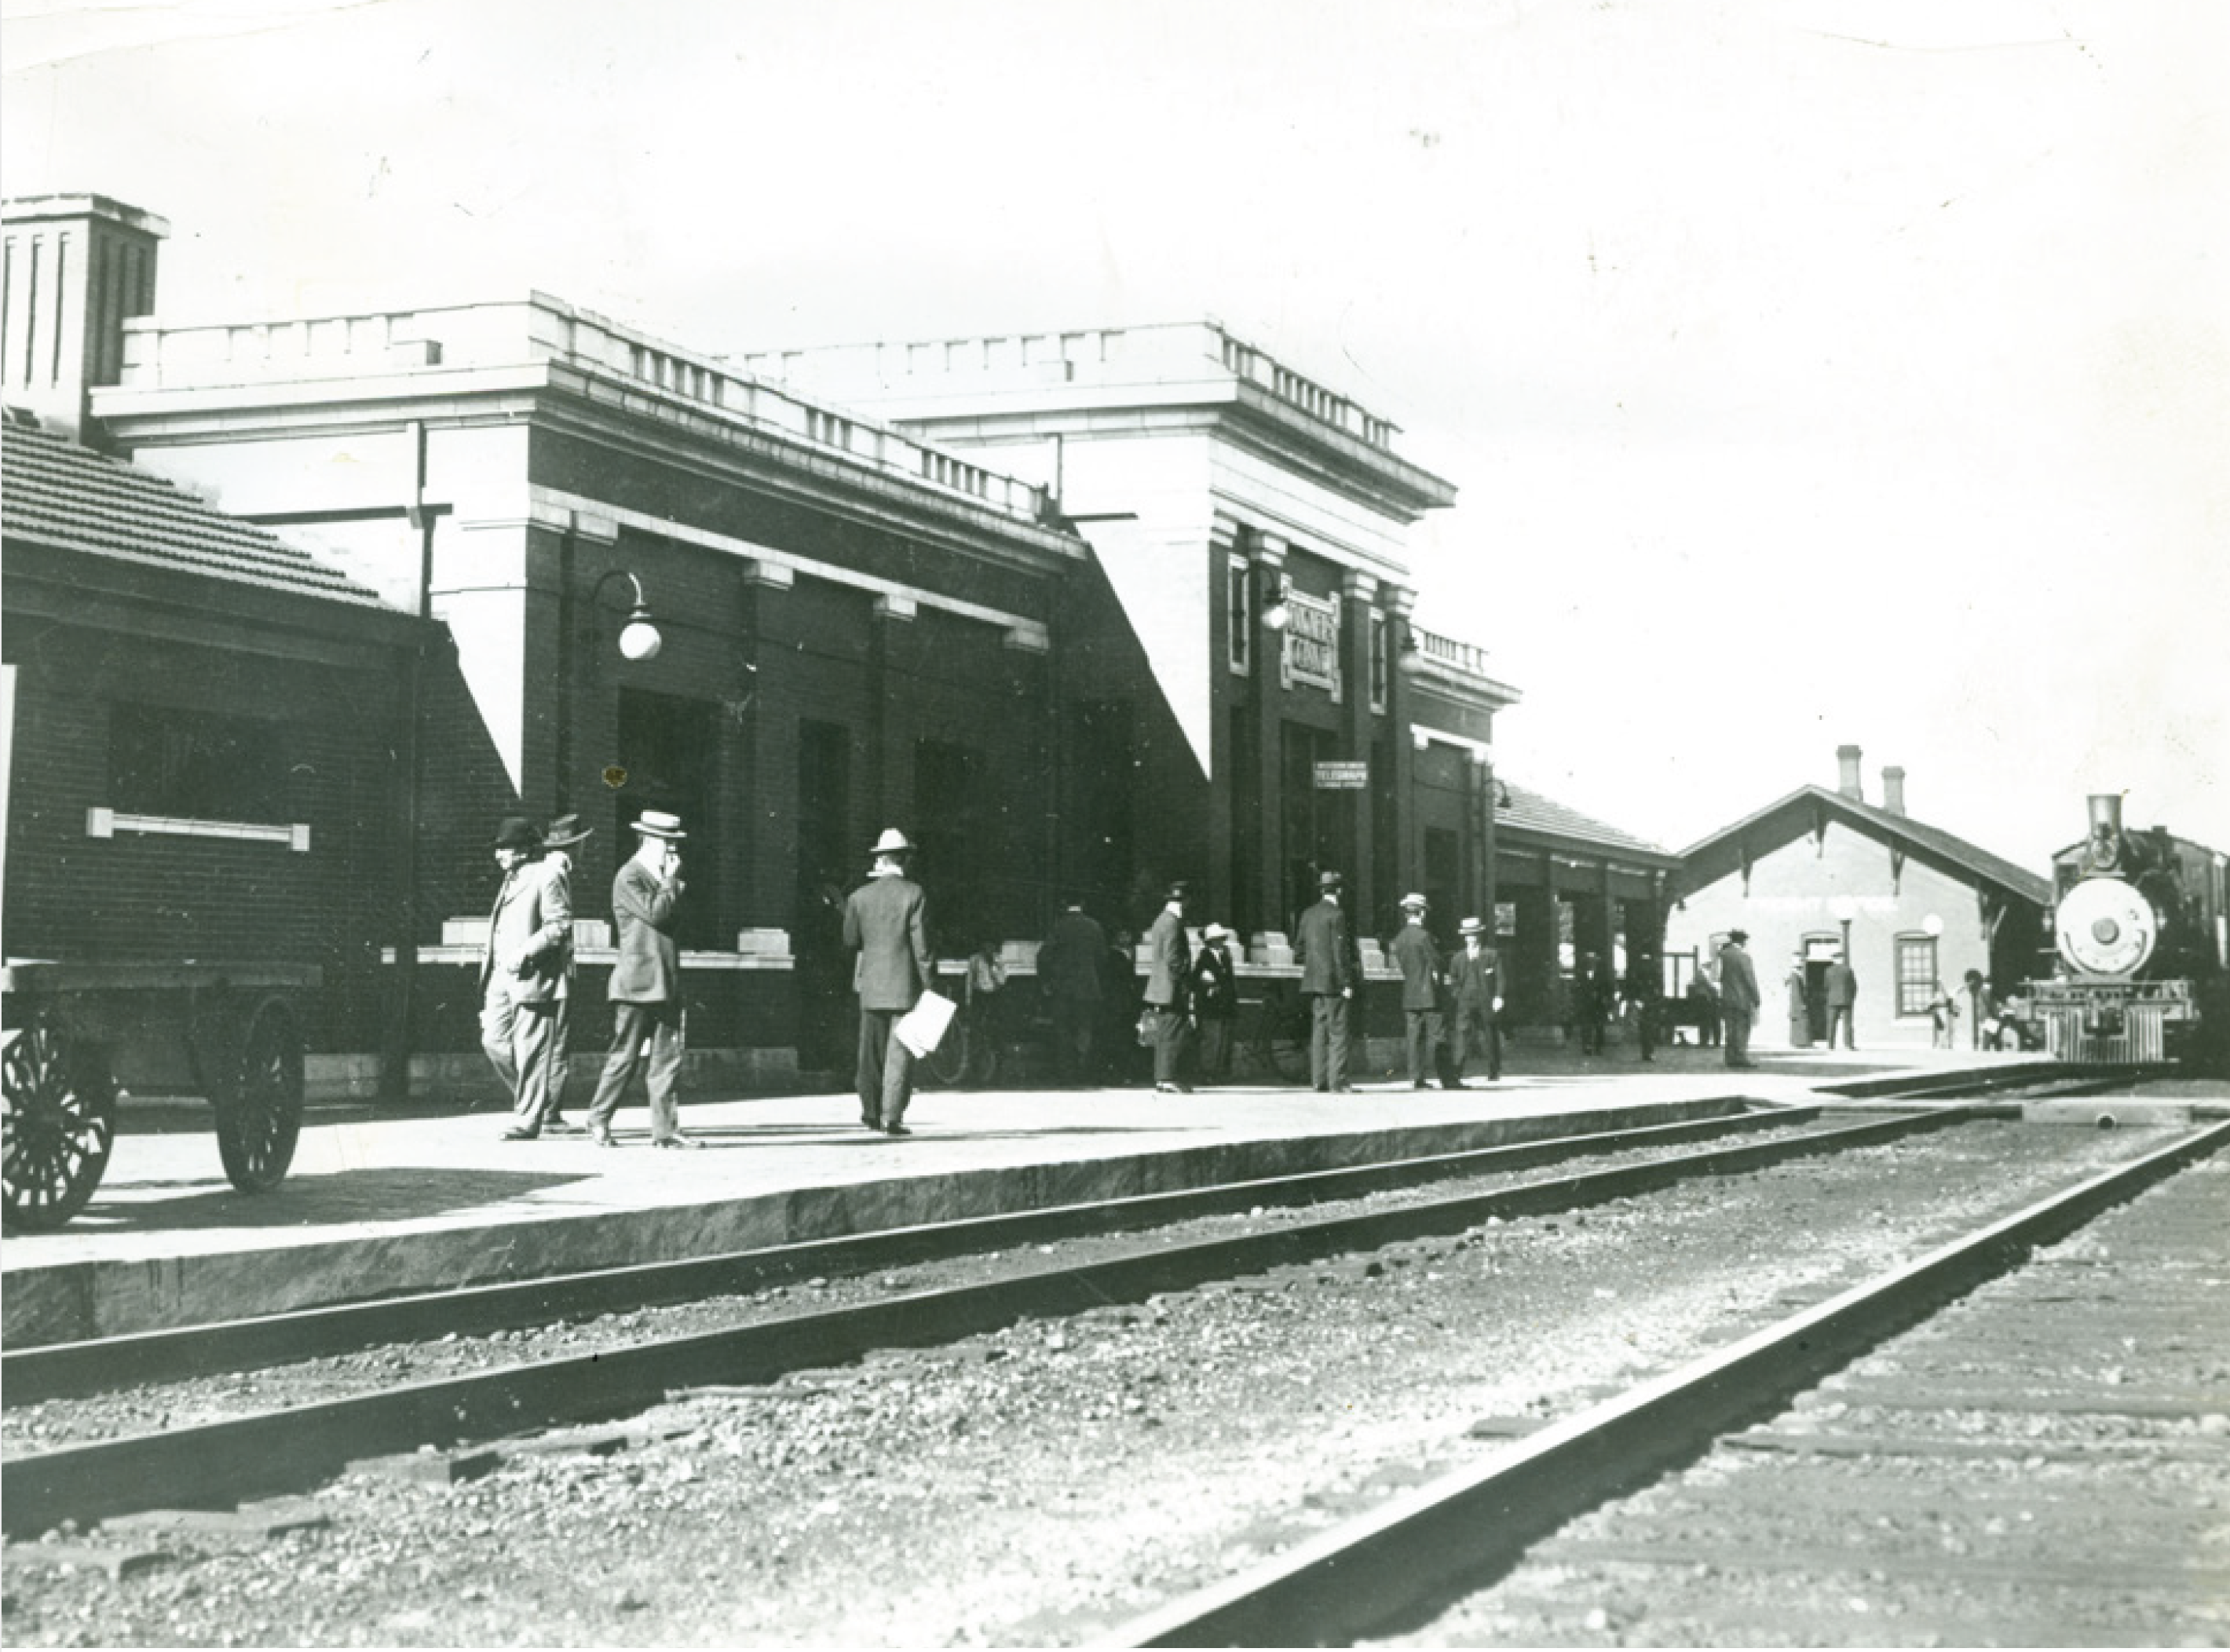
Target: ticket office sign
1312, 642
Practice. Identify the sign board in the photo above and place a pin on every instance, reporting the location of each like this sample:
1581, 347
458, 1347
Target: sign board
1342, 776
1312, 642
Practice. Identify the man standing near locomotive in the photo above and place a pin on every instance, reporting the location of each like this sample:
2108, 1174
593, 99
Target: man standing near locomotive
887, 923
1418, 960
523, 973
648, 1018
1169, 979
1331, 968
1475, 986
1738, 997
1842, 985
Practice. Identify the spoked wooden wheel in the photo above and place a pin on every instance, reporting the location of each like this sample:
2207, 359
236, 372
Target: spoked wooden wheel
258, 1123
59, 1126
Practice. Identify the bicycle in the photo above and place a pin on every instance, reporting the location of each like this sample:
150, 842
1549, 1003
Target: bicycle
968, 1053
1272, 1042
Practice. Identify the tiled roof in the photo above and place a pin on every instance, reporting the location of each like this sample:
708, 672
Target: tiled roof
1530, 811
1934, 840
56, 491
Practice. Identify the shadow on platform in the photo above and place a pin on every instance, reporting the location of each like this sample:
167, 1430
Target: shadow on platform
386, 1195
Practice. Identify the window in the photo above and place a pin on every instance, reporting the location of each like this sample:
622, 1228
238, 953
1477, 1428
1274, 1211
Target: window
1239, 615
1916, 974
196, 765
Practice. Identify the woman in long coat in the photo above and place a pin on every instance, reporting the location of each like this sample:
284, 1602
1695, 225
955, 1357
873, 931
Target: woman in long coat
1800, 1006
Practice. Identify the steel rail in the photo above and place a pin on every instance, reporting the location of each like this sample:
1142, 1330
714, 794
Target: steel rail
215, 1464
57, 1371
1391, 1570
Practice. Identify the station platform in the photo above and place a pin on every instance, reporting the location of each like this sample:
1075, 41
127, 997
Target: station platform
382, 1204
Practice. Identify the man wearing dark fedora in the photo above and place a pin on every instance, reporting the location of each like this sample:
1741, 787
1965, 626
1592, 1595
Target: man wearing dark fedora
1169, 981
1331, 970
649, 1027
1738, 997
522, 972
1475, 993
887, 923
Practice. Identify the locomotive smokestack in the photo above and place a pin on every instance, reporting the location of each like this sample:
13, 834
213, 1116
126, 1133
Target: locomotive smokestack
1893, 790
2106, 812
1851, 786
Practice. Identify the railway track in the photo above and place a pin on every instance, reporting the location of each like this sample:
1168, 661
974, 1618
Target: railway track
266, 1454
1403, 1565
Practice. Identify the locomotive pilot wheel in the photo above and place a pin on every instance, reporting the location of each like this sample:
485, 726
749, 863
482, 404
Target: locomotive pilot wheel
260, 1120
59, 1125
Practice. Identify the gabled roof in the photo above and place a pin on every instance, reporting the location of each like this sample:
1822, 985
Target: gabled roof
55, 492
1520, 809
1793, 817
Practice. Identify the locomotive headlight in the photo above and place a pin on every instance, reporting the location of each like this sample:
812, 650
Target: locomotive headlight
2106, 927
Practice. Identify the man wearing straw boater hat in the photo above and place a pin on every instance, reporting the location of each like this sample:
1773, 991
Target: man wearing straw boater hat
647, 1023
1419, 960
885, 921
1475, 987
522, 971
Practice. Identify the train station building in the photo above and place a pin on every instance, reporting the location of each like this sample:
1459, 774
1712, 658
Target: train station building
1083, 613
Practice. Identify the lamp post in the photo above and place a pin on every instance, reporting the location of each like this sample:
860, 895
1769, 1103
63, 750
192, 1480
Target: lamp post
1844, 910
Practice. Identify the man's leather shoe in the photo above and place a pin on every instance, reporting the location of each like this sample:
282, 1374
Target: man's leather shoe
602, 1138
683, 1143
894, 1128
517, 1134
562, 1127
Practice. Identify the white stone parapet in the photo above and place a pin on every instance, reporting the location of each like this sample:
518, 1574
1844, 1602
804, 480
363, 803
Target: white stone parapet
533, 331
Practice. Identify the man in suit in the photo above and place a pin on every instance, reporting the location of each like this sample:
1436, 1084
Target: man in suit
1738, 997
646, 986
1475, 984
1331, 970
886, 922
565, 834
1215, 1002
1072, 973
1418, 960
1169, 976
1842, 984
522, 971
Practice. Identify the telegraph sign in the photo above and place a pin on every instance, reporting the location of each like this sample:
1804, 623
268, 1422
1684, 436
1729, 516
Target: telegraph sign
1342, 776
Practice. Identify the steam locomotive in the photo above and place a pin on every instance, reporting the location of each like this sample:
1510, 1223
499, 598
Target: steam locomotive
2141, 927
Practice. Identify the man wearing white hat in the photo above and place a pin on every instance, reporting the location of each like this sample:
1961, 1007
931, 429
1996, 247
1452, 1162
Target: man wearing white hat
1214, 1002
565, 834
1475, 983
885, 921
1418, 960
646, 986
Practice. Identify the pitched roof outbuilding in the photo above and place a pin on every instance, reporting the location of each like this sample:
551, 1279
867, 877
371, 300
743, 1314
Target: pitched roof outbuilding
1711, 855
55, 492
1522, 809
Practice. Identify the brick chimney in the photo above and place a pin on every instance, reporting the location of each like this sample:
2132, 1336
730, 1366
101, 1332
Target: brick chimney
78, 268
1894, 790
1850, 785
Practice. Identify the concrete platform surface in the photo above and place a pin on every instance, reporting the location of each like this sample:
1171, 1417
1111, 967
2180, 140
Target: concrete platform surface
379, 1205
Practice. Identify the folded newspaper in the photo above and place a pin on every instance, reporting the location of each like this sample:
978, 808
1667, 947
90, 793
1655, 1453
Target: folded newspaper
921, 1029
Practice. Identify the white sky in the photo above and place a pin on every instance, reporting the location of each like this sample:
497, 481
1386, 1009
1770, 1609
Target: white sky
1811, 370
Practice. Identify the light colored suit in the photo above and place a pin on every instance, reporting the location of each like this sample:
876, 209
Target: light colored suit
648, 1022
1168, 976
522, 983
1738, 1001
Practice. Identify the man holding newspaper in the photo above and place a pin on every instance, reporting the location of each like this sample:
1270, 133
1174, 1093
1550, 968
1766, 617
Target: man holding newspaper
883, 923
